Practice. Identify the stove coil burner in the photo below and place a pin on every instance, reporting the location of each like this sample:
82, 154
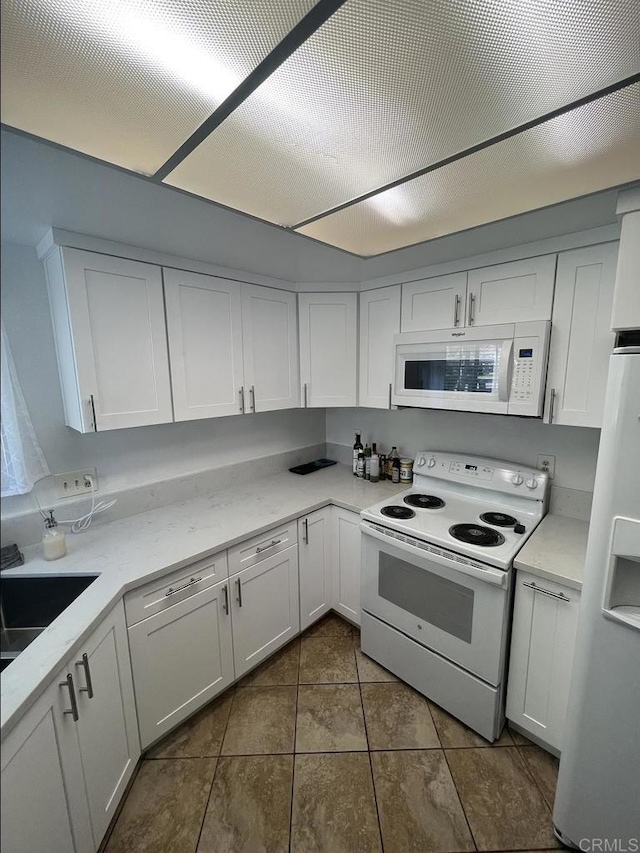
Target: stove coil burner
499, 519
424, 501
400, 512
476, 534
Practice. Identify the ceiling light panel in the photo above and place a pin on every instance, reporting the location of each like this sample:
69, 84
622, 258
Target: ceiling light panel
582, 151
383, 89
129, 80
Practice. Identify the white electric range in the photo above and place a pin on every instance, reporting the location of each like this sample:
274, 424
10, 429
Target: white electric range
436, 579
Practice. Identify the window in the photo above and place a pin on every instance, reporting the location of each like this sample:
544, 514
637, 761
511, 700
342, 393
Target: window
23, 462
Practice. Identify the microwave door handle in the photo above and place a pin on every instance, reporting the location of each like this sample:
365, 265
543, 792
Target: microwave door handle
505, 370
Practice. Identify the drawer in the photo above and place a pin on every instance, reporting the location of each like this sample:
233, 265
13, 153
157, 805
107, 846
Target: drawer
168, 590
260, 547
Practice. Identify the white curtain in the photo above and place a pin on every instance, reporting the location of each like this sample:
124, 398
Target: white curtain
23, 462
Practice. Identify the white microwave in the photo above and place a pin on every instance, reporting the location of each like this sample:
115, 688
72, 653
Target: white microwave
498, 369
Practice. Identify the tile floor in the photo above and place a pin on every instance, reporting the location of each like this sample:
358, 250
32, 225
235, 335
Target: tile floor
320, 750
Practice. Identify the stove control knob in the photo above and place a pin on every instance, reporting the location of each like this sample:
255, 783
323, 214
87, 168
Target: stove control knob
517, 479
421, 462
531, 483
431, 462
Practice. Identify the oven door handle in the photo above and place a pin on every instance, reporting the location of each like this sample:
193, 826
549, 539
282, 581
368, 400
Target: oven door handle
488, 574
505, 370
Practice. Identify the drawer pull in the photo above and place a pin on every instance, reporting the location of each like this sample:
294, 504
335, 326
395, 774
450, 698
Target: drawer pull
87, 674
172, 591
68, 683
548, 592
272, 544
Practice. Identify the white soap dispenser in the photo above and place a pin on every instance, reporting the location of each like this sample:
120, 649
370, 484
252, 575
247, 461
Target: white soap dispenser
54, 544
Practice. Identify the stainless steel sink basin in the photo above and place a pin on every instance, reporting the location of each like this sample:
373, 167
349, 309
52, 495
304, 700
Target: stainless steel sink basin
28, 605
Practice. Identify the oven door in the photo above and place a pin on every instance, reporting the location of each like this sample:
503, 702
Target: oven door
461, 613
473, 375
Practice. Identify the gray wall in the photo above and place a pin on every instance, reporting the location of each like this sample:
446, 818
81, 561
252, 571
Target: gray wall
510, 438
131, 456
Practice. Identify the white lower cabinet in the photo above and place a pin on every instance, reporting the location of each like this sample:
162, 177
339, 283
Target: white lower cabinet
67, 763
315, 569
181, 657
264, 606
346, 560
543, 638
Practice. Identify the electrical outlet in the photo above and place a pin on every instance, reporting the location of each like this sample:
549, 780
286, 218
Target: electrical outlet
75, 483
547, 463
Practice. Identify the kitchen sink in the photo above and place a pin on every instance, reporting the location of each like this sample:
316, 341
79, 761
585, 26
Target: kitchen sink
28, 605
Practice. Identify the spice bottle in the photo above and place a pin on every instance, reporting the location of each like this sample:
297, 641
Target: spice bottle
395, 470
393, 454
374, 467
367, 462
360, 466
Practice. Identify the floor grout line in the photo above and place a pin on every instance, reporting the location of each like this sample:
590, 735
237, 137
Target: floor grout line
459, 796
293, 767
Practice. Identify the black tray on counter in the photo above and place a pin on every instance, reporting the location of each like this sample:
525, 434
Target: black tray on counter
309, 467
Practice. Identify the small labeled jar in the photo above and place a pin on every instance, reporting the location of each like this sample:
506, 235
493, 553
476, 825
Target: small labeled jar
406, 470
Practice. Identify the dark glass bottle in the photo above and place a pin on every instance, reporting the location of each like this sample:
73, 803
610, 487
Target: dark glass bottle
357, 447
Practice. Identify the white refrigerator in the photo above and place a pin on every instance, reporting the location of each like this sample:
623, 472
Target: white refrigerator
597, 806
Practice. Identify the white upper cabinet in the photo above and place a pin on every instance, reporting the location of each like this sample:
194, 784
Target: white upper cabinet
109, 325
204, 323
270, 335
581, 337
516, 292
511, 293
328, 349
434, 303
379, 322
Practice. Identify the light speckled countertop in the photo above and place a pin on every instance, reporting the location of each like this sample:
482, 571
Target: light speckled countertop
131, 551
556, 551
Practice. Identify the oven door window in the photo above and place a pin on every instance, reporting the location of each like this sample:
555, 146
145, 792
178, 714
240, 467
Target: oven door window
440, 602
455, 369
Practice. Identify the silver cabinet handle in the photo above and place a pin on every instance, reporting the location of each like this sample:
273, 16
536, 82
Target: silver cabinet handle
306, 403
68, 683
93, 413
252, 397
225, 603
390, 389
239, 584
552, 404
548, 592
241, 393
272, 544
456, 311
84, 662
172, 591
306, 531
472, 302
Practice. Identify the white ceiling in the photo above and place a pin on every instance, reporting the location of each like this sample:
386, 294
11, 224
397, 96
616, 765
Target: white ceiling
378, 93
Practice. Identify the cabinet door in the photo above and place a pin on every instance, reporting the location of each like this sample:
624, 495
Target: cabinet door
328, 349
107, 725
379, 322
346, 563
204, 323
265, 608
511, 293
116, 315
434, 303
545, 617
314, 557
44, 804
581, 336
181, 658
270, 335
